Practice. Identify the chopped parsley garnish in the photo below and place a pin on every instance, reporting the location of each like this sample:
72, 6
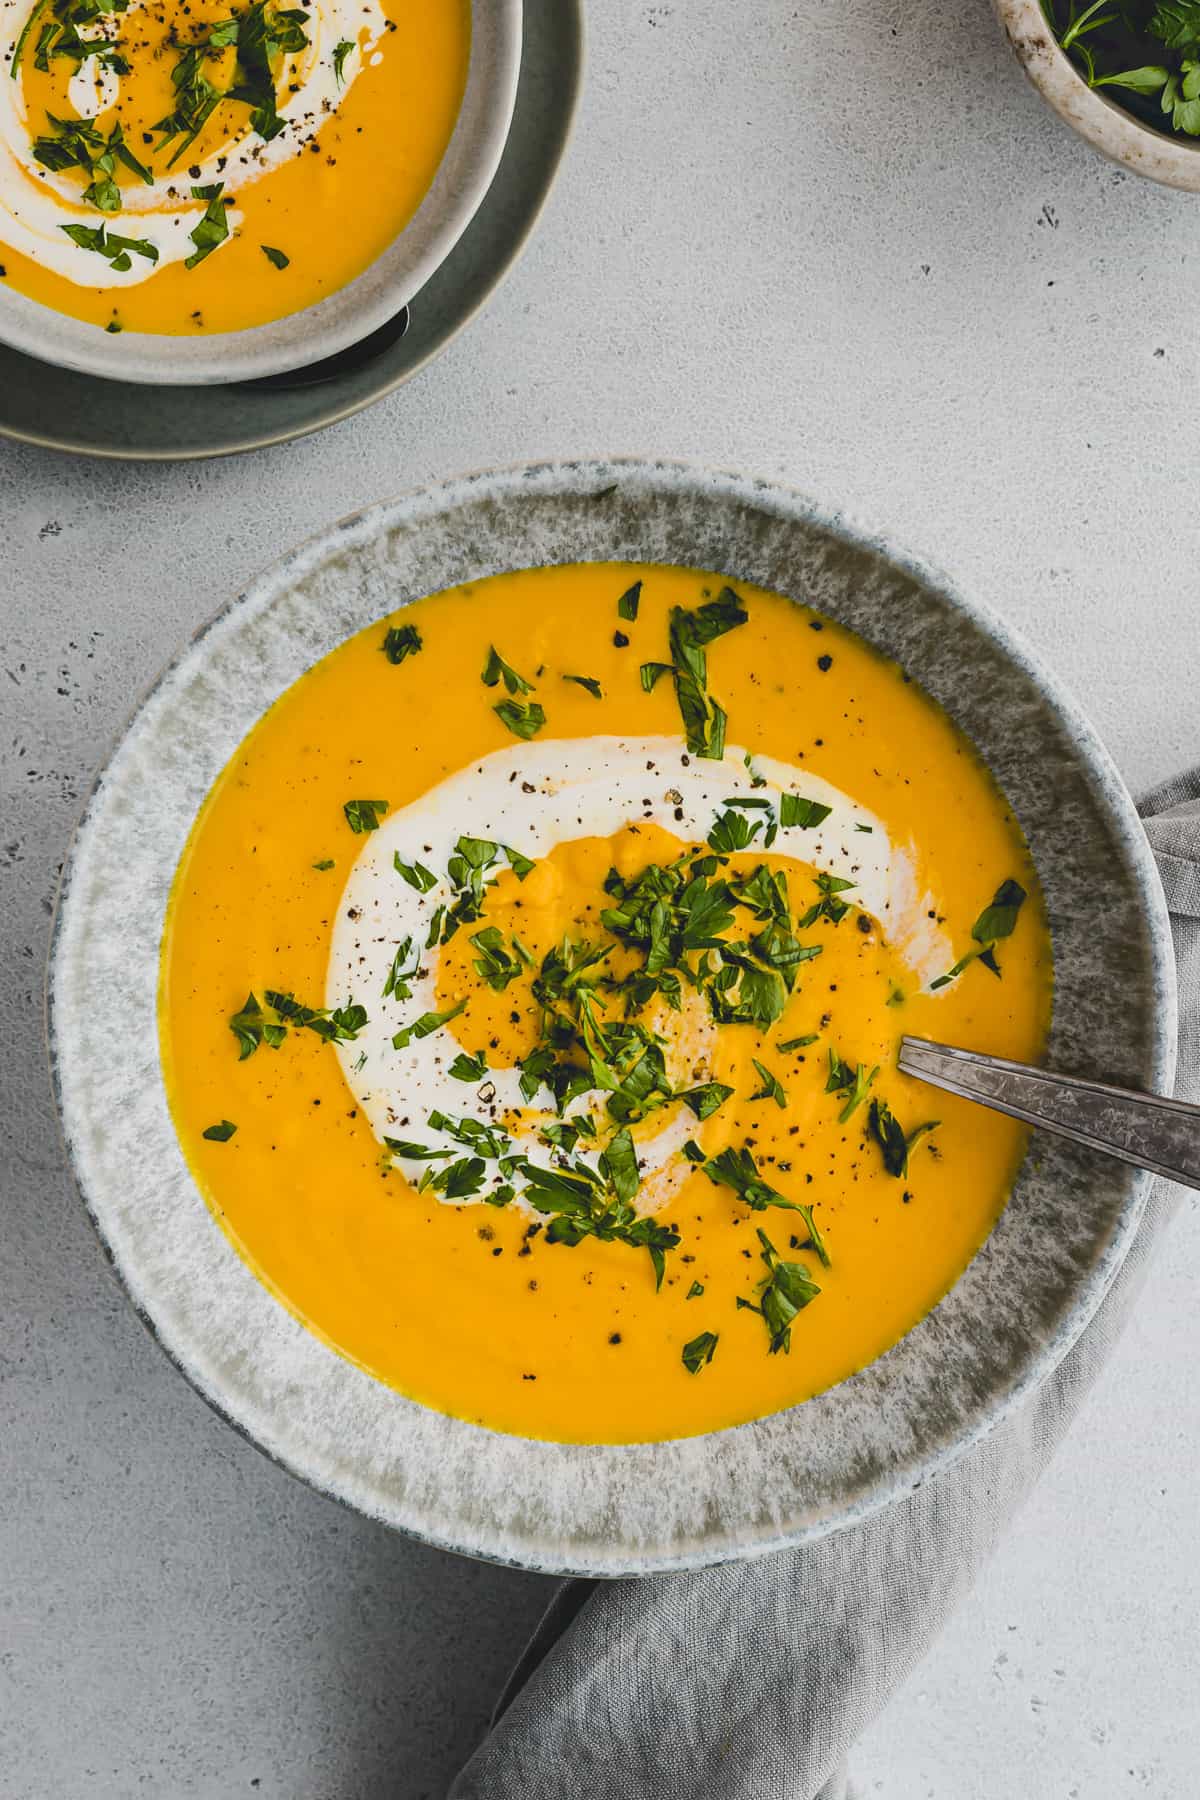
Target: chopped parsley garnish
400, 641
461, 1180
652, 673
364, 815
772, 1087
60, 35
732, 831
277, 257
795, 810
466, 1067
495, 964
522, 721
398, 983
425, 1025
892, 1138
220, 1134
689, 633
470, 862
520, 865
495, 670
695, 1291
589, 682
828, 906
416, 874
76, 143
326, 862
417, 1152
252, 1026
798, 1043
584, 1202
485, 1140
627, 605
677, 916
699, 1353
738, 1170
341, 51
213, 228
118, 250
342, 1025
705, 1101
994, 923
786, 1291
851, 1083
262, 36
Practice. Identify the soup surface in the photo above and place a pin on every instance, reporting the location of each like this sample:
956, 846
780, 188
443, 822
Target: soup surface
183, 166
532, 989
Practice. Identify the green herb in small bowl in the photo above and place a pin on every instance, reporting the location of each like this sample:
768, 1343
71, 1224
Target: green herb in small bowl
1146, 52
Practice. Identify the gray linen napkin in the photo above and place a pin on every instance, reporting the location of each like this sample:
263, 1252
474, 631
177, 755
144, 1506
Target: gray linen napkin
755, 1680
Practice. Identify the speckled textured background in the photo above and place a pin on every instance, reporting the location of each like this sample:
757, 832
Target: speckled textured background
857, 255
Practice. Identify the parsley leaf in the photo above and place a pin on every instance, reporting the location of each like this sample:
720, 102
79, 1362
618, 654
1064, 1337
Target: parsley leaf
400, 641
220, 1134
468, 1068
118, 250
494, 963
496, 669
522, 721
251, 1028
213, 228
363, 815
399, 978
589, 682
738, 1170
772, 1087
852, 1083
274, 256
705, 1101
795, 810
652, 673
520, 865
732, 831
416, 874
995, 922
427, 1023
786, 1291
689, 632
341, 51
627, 605
699, 1353
891, 1137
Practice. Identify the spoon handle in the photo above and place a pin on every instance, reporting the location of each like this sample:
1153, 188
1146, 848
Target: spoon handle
1156, 1134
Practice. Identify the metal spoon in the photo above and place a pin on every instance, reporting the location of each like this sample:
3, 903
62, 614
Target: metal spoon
1156, 1134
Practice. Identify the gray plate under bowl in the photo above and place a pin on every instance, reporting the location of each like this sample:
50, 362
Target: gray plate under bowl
604, 1509
61, 410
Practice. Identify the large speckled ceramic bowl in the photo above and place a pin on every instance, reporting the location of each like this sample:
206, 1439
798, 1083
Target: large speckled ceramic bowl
354, 311
1160, 155
600, 1509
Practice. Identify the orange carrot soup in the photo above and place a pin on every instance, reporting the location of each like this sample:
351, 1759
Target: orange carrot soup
532, 988
184, 166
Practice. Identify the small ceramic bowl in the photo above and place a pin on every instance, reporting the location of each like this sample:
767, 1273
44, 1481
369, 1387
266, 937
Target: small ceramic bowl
606, 1509
346, 317
1159, 155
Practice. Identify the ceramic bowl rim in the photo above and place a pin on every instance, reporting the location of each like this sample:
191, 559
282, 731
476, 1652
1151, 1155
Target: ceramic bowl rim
672, 477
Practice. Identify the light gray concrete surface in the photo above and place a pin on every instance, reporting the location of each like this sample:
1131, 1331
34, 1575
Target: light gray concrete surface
843, 245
